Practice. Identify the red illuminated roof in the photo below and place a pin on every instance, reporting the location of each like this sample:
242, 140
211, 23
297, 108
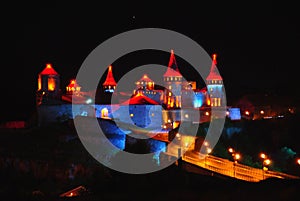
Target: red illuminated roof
110, 81
145, 78
73, 83
172, 70
203, 90
48, 70
140, 99
214, 74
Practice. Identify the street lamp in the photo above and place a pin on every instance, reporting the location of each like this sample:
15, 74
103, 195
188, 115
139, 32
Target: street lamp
236, 157
265, 163
208, 150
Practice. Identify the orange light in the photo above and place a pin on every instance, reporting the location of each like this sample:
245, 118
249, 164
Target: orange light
145, 76
267, 161
206, 113
230, 150
237, 156
73, 81
262, 155
39, 83
214, 57
48, 66
262, 112
208, 101
51, 84
247, 112
298, 161
205, 143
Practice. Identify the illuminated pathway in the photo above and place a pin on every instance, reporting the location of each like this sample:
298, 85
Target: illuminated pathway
221, 165
229, 168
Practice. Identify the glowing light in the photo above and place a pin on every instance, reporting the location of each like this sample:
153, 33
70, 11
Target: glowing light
51, 84
104, 112
237, 156
206, 143
247, 112
131, 115
262, 112
48, 66
262, 155
227, 113
88, 101
208, 150
206, 113
298, 161
230, 150
214, 57
267, 161
39, 83
208, 101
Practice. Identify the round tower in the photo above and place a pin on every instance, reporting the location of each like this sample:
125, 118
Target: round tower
214, 83
48, 85
173, 84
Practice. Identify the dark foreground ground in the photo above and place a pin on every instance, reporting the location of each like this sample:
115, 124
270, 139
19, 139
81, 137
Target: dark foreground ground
171, 183
35, 165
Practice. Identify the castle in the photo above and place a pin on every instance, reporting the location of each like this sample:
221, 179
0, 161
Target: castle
147, 106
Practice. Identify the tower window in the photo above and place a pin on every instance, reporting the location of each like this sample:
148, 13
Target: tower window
51, 84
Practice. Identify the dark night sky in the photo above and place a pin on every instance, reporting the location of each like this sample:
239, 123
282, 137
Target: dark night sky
257, 44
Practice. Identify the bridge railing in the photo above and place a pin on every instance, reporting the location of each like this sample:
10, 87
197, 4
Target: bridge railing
232, 169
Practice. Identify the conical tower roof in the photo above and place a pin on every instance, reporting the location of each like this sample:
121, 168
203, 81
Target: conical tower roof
110, 81
73, 83
214, 73
48, 70
172, 70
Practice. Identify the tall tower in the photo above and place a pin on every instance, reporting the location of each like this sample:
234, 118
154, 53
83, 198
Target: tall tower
214, 83
110, 84
173, 84
48, 86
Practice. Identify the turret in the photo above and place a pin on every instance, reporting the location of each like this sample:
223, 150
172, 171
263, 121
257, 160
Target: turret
173, 84
110, 84
214, 84
48, 85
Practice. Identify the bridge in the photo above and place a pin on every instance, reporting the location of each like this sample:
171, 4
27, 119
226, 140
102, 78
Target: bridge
231, 169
